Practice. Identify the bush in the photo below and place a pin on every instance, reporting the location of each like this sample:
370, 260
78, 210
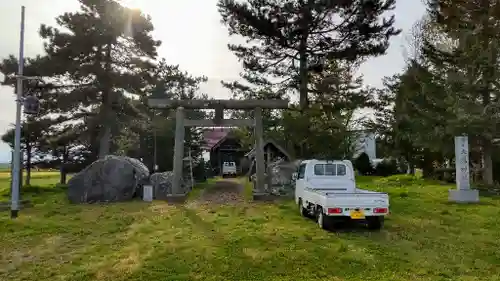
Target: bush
200, 171
400, 180
245, 165
363, 164
387, 168
445, 174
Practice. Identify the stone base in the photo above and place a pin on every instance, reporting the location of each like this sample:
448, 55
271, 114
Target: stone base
176, 198
265, 197
463, 196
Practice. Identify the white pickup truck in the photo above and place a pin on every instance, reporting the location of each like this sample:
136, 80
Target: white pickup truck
326, 190
229, 169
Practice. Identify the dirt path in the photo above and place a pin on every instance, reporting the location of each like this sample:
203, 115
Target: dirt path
225, 191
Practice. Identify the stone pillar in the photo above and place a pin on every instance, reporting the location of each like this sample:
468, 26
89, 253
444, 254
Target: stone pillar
178, 150
463, 193
259, 152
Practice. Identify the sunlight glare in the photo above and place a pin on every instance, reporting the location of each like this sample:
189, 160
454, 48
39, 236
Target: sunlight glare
131, 4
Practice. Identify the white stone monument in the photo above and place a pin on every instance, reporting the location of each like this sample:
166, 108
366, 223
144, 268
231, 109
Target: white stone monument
147, 194
463, 193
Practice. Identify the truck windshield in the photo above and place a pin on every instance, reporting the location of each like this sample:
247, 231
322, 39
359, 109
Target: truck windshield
329, 170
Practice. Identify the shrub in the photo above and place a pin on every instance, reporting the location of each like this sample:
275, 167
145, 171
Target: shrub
387, 168
363, 164
400, 180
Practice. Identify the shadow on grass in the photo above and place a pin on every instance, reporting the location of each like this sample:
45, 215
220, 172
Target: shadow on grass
37, 189
200, 187
235, 251
494, 194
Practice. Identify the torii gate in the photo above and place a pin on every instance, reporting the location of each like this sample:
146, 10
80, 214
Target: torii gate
218, 121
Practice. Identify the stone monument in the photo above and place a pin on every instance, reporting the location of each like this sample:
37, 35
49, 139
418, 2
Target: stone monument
463, 193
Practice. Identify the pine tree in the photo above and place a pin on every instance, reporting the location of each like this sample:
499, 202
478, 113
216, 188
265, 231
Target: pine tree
470, 63
108, 50
33, 128
288, 40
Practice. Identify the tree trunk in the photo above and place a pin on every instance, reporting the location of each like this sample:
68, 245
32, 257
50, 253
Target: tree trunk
62, 168
427, 167
487, 163
104, 142
489, 77
411, 168
106, 109
28, 164
303, 77
303, 73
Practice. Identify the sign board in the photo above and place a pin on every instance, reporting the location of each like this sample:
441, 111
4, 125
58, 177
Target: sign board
462, 162
31, 105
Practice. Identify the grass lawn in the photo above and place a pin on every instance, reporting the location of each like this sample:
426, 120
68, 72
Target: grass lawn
39, 180
425, 238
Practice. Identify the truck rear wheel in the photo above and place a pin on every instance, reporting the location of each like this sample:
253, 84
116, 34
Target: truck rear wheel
375, 222
324, 221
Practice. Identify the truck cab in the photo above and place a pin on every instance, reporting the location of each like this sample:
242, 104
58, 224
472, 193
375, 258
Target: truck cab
325, 175
229, 169
327, 191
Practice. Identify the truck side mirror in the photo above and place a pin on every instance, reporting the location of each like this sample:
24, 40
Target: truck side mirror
294, 176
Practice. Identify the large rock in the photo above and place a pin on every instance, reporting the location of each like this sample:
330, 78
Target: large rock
114, 178
162, 184
279, 177
280, 180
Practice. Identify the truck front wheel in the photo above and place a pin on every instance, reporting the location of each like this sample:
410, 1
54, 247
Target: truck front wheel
303, 211
375, 222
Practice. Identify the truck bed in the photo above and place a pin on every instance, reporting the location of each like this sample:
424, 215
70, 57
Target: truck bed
329, 192
360, 198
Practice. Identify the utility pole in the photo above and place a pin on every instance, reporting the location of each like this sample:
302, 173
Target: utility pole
17, 141
155, 163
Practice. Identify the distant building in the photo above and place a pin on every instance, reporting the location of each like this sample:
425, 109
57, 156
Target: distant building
222, 146
213, 136
365, 142
272, 151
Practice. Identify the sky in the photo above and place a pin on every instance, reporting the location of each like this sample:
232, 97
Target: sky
192, 37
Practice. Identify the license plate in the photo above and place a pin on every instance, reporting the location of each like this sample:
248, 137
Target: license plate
357, 215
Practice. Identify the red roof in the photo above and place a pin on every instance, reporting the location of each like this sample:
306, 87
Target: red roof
213, 136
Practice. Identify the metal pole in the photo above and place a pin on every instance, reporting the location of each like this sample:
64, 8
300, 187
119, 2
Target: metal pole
155, 163
17, 143
154, 152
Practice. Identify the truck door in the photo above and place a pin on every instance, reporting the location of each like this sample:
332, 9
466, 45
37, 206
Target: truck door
300, 182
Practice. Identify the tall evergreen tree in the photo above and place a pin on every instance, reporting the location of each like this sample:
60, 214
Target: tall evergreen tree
107, 49
470, 65
33, 128
287, 40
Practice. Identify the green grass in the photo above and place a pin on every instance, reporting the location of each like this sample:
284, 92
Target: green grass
425, 238
198, 188
39, 180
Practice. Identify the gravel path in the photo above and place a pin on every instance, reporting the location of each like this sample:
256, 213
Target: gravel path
225, 191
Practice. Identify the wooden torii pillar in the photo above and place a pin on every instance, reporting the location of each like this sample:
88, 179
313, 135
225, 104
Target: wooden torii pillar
218, 121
